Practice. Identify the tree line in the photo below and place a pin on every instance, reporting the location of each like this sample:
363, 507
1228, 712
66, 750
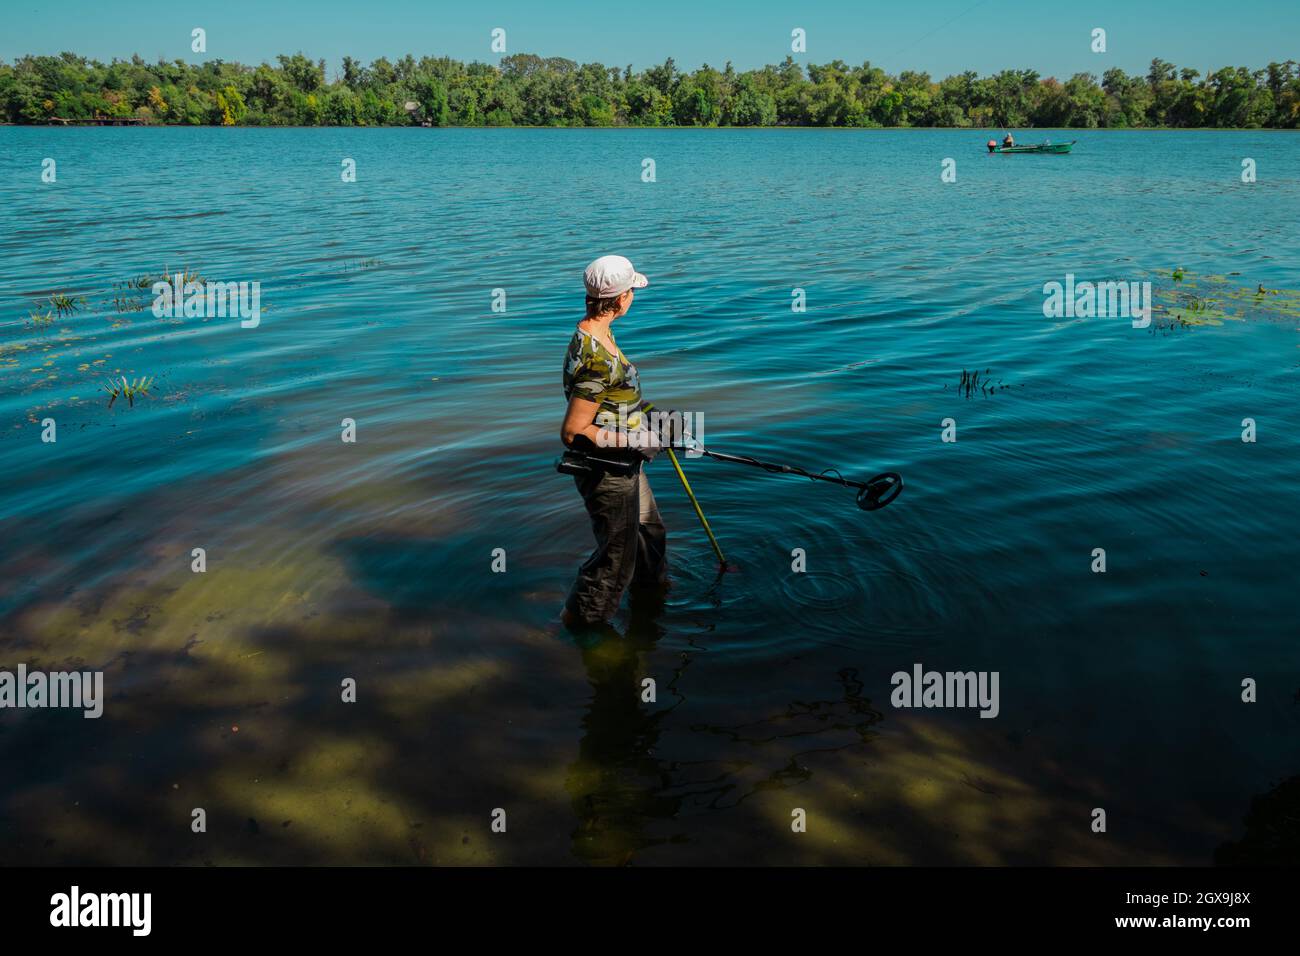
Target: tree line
528, 90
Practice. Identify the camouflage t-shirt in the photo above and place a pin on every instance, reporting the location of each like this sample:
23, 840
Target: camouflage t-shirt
593, 372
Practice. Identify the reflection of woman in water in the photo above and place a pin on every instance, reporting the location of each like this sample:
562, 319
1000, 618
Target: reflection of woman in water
617, 787
630, 791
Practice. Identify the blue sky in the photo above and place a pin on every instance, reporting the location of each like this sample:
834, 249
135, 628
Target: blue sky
938, 36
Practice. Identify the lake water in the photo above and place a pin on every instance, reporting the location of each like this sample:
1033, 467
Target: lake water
373, 560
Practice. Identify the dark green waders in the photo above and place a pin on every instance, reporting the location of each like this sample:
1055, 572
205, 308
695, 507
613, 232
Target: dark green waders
631, 541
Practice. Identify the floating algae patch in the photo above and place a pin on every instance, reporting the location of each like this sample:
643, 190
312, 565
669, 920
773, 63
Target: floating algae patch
1191, 299
224, 692
929, 793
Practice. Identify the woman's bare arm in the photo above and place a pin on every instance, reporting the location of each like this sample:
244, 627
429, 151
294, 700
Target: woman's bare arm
580, 419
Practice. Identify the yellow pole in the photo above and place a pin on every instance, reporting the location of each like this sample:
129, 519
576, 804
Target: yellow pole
690, 494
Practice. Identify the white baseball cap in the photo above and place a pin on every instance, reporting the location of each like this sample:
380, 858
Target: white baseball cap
609, 276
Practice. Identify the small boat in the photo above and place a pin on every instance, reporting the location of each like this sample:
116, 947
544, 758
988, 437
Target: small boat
1036, 148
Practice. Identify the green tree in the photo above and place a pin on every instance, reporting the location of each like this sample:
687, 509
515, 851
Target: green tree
432, 97
750, 107
302, 73
229, 108
553, 91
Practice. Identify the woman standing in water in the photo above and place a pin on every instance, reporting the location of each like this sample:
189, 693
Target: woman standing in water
607, 417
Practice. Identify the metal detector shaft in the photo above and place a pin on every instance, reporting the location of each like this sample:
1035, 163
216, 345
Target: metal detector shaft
698, 510
781, 469
873, 494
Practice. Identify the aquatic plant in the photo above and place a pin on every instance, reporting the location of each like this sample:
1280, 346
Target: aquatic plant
181, 277
1174, 323
135, 282
981, 382
66, 304
124, 304
128, 389
362, 264
1213, 299
38, 317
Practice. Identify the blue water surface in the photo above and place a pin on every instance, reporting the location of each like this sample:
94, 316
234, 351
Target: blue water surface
1119, 689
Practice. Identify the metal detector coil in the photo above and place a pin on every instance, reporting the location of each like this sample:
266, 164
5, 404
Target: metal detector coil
880, 491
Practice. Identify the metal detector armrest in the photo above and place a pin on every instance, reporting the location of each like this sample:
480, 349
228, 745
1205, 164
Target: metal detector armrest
581, 463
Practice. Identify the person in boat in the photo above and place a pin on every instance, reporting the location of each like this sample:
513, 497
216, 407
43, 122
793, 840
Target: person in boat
1008, 141
607, 417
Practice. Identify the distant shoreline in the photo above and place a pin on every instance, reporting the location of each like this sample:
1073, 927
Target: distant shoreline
986, 130
534, 92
